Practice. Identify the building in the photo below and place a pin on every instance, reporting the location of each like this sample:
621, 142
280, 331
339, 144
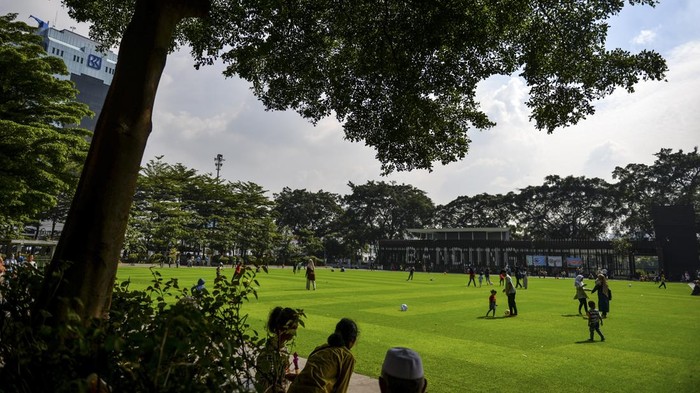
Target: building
91, 70
454, 249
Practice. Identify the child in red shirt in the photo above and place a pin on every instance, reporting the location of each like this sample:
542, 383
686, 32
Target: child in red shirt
492, 303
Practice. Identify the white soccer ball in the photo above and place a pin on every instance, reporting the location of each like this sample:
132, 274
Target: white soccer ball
629, 285
507, 313
404, 307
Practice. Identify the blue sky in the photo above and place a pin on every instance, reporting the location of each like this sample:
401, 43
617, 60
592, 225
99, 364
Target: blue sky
199, 114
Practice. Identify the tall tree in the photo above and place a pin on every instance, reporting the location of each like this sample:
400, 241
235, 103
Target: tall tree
41, 150
309, 216
482, 210
161, 210
565, 208
380, 210
401, 77
673, 179
251, 222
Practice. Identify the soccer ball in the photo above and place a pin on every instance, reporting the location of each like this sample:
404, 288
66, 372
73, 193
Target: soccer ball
507, 313
629, 285
404, 307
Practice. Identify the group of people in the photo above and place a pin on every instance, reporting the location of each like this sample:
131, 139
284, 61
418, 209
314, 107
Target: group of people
601, 287
510, 291
11, 263
594, 315
329, 366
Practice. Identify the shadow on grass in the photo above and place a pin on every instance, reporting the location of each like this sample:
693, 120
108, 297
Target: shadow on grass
587, 342
572, 315
484, 317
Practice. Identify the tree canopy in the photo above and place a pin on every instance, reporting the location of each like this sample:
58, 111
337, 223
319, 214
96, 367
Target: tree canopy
400, 76
41, 150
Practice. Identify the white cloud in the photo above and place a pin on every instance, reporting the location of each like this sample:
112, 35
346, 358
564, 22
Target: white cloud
644, 37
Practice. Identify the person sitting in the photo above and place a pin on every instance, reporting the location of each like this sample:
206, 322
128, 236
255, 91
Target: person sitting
696, 289
199, 287
402, 372
272, 366
329, 367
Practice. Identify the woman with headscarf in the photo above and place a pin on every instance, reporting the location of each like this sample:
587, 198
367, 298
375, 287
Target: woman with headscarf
604, 294
329, 367
310, 275
580, 293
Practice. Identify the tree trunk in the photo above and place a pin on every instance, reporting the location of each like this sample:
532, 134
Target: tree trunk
85, 263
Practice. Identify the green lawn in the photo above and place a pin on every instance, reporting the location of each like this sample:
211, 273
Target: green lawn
652, 342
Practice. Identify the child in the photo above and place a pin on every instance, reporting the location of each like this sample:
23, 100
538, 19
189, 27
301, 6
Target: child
481, 278
492, 303
594, 321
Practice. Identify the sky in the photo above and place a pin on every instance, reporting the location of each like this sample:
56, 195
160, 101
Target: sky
199, 114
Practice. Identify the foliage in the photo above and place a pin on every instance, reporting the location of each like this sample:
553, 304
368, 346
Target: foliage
482, 210
380, 210
158, 338
175, 207
403, 77
565, 208
41, 151
673, 179
310, 217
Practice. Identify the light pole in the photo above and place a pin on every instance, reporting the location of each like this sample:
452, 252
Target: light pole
218, 163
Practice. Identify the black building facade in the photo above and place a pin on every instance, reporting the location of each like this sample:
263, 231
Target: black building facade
453, 250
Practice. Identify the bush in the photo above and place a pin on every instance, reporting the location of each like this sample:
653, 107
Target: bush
163, 339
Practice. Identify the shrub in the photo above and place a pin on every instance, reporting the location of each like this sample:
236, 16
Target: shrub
164, 339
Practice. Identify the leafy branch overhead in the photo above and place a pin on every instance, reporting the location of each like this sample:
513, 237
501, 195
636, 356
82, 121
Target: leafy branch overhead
402, 76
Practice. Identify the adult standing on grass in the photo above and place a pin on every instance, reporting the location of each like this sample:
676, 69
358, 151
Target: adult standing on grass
604, 294
487, 276
329, 367
510, 292
472, 276
310, 275
411, 270
581, 294
271, 372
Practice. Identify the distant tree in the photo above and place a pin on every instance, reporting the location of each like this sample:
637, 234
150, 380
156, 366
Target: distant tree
160, 212
566, 208
401, 77
251, 223
380, 210
482, 210
41, 151
309, 216
673, 179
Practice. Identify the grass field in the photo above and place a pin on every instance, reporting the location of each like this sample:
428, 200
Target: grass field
652, 335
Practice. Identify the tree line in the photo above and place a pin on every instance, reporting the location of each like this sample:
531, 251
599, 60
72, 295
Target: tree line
177, 209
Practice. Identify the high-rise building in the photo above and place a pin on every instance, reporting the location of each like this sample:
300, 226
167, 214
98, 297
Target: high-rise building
89, 69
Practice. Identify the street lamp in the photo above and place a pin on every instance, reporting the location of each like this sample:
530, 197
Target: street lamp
218, 163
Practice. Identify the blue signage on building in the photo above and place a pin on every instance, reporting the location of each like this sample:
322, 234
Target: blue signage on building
94, 62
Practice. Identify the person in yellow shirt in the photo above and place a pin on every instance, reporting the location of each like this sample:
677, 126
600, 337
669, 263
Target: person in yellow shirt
329, 367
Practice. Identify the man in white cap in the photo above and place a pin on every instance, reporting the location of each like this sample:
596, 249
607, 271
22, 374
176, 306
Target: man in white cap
402, 372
